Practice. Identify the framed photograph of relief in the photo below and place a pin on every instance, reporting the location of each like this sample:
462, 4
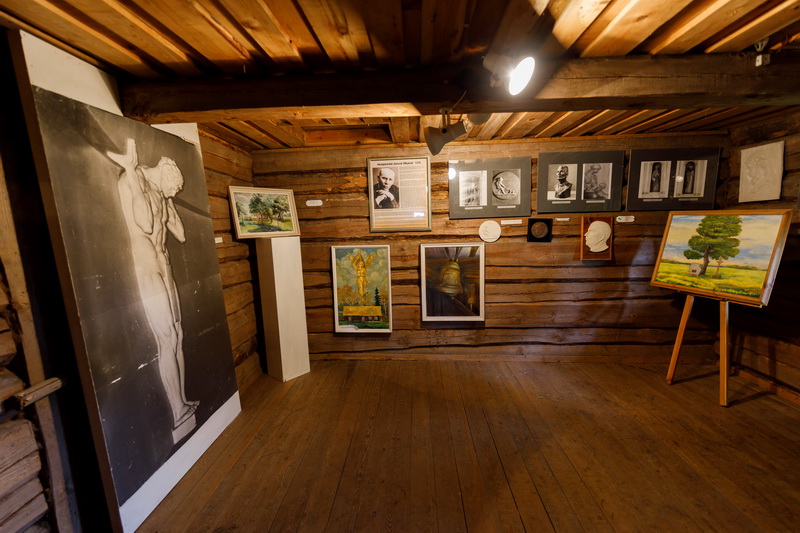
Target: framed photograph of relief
729, 255
259, 212
452, 282
761, 172
399, 192
683, 178
579, 182
490, 188
362, 289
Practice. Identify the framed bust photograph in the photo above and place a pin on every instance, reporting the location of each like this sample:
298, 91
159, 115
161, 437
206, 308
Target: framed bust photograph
579, 182
399, 192
680, 178
490, 188
597, 238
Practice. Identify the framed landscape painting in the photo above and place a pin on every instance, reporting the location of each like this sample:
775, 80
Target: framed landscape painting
452, 280
727, 255
259, 212
362, 289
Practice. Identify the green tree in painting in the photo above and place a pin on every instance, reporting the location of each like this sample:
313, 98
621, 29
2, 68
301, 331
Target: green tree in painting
280, 207
377, 296
715, 239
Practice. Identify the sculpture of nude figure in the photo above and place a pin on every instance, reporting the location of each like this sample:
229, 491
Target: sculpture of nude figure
146, 196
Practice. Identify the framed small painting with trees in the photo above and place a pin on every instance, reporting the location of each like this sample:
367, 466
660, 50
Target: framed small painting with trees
259, 212
727, 255
362, 289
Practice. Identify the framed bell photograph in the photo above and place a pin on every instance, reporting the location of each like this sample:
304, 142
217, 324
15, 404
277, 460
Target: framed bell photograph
399, 192
452, 282
682, 178
490, 188
597, 238
579, 182
259, 212
728, 255
362, 289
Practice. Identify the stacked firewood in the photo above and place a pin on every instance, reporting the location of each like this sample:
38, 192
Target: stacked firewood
22, 498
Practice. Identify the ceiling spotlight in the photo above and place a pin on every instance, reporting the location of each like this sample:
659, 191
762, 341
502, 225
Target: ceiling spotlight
436, 138
515, 73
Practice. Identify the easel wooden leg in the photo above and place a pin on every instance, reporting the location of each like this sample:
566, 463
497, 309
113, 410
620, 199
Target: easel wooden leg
724, 364
687, 309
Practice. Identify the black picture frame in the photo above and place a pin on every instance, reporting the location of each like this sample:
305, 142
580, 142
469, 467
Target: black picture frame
490, 188
540, 230
594, 182
672, 191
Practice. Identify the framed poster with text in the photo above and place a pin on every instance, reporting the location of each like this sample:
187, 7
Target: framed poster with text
399, 192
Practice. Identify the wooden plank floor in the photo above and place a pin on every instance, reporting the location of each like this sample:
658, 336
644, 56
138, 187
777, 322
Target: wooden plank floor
478, 446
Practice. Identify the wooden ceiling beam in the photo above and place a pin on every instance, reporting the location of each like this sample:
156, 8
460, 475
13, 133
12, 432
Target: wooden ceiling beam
634, 82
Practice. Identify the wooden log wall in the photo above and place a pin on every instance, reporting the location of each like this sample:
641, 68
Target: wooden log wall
226, 165
766, 341
542, 302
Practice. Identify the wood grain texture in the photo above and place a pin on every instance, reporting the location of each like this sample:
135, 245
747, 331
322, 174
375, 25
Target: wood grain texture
494, 446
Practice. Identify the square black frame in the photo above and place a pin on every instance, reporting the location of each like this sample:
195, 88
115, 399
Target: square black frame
581, 199
705, 160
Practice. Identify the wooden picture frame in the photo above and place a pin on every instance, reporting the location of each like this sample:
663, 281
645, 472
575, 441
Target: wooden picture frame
399, 193
362, 289
676, 178
579, 182
452, 282
259, 212
597, 238
739, 269
490, 188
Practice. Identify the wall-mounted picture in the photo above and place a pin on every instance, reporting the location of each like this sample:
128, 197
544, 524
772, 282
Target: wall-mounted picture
130, 222
259, 212
597, 238
452, 281
399, 192
682, 178
579, 182
727, 255
490, 188
761, 172
362, 289
540, 229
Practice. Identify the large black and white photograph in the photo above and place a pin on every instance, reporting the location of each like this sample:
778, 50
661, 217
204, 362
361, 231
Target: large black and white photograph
131, 210
673, 178
577, 182
490, 188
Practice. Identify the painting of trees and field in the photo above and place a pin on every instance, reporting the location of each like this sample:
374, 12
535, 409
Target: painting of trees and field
362, 289
263, 212
730, 255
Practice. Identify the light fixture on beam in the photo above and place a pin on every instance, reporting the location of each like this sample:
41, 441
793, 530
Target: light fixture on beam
436, 138
514, 73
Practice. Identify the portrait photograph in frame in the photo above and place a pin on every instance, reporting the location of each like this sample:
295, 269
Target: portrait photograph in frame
579, 182
597, 238
259, 212
452, 281
362, 289
490, 188
673, 179
728, 255
399, 192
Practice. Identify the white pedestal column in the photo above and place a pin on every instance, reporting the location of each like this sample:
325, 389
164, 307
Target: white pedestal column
280, 273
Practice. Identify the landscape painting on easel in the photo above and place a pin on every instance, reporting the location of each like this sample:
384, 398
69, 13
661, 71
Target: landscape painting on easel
728, 255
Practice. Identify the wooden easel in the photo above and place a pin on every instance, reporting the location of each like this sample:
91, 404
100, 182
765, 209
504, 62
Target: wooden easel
724, 363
